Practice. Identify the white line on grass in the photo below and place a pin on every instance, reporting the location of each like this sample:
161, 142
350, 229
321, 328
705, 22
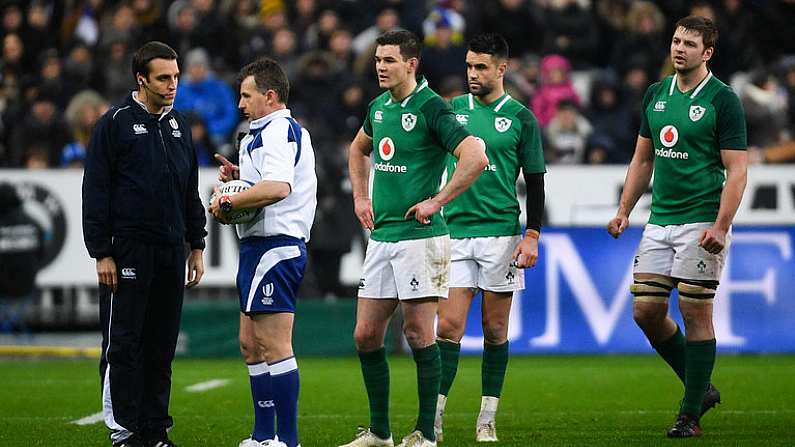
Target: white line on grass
89, 420
208, 385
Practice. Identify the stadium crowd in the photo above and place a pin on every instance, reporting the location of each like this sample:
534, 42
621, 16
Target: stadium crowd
582, 66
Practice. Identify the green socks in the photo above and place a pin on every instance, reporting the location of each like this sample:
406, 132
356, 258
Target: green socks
449, 353
428, 377
495, 362
673, 352
375, 371
700, 358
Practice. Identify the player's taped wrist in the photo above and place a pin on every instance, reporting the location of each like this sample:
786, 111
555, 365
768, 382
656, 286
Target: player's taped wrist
531, 233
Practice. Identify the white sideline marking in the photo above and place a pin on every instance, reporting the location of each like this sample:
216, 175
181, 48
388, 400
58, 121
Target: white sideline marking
89, 420
208, 385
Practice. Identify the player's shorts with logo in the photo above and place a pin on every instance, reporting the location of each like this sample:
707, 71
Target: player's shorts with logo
673, 250
269, 273
485, 263
415, 268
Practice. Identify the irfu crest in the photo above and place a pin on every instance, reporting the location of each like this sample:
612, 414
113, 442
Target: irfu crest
502, 124
696, 112
408, 120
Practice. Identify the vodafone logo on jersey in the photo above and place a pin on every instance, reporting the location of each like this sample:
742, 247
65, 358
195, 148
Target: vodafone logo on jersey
669, 136
386, 148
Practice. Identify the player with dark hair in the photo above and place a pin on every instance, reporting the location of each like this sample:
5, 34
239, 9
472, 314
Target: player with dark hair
693, 138
141, 206
488, 249
408, 130
277, 160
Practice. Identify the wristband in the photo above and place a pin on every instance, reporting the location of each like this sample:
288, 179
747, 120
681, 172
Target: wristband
225, 203
532, 233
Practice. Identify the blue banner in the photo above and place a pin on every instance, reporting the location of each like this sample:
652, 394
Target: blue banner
577, 300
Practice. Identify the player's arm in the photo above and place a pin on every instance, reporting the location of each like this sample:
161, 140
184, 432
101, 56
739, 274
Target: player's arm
470, 153
736, 162
635, 184
531, 156
640, 169
96, 201
733, 140
359, 172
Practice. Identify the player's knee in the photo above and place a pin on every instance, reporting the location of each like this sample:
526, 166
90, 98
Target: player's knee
648, 316
249, 351
450, 329
495, 332
366, 338
416, 337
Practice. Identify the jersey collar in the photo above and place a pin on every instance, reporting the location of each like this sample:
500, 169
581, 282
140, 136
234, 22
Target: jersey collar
496, 105
143, 106
698, 88
421, 84
259, 123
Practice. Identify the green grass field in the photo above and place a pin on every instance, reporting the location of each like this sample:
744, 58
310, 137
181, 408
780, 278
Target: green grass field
547, 401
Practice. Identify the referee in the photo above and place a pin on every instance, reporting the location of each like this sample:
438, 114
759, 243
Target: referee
140, 207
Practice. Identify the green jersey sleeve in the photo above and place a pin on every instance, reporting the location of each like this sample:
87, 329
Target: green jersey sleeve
531, 152
367, 126
442, 123
730, 120
644, 130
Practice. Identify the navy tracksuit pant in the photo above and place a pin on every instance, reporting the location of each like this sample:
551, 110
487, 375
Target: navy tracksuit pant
140, 324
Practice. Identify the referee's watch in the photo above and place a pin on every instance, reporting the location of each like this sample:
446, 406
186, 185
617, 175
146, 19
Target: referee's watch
225, 203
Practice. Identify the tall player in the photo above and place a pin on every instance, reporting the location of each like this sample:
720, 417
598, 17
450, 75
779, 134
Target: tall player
409, 130
277, 159
693, 135
487, 245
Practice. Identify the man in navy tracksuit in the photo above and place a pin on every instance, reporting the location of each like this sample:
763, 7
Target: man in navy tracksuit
141, 206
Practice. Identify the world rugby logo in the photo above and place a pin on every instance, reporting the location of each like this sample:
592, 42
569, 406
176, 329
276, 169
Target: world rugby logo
669, 136
386, 148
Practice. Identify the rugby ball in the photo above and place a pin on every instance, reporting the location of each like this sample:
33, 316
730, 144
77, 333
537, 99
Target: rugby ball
240, 215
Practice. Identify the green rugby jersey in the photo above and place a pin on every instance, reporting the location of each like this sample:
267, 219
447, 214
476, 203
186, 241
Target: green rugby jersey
688, 131
411, 140
513, 140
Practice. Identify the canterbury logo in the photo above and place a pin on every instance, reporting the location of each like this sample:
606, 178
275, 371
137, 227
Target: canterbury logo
128, 273
139, 129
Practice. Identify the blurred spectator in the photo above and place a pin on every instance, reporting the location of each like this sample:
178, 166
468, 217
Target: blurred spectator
611, 21
776, 34
341, 47
338, 227
318, 35
13, 18
644, 42
243, 22
38, 140
555, 87
21, 255
81, 114
737, 49
450, 87
81, 22
442, 14
386, 20
633, 88
443, 58
14, 63
149, 16
78, 69
183, 33
38, 34
211, 98
571, 32
204, 146
765, 106
521, 79
123, 22
211, 34
285, 51
114, 69
516, 21
612, 140
315, 84
567, 135
347, 118
781, 153
303, 14
787, 69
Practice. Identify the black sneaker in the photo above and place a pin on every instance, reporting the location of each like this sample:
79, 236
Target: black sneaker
711, 398
686, 426
132, 441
